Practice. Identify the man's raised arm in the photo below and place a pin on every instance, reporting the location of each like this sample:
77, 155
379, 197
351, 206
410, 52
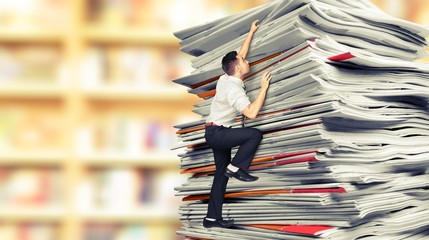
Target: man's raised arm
246, 44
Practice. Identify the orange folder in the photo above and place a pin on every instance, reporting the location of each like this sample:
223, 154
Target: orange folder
267, 192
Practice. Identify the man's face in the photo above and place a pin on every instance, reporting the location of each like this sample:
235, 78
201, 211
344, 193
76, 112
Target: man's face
243, 64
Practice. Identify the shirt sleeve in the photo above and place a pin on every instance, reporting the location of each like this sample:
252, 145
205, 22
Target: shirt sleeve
237, 98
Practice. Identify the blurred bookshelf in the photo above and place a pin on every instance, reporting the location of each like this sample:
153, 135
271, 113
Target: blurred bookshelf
87, 108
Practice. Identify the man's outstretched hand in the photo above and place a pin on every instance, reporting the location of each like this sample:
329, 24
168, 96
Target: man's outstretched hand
255, 26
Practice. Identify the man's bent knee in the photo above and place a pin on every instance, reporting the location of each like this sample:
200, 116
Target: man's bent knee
257, 134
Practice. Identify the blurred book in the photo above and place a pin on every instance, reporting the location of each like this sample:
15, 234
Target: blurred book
30, 129
119, 133
24, 187
133, 67
29, 231
103, 189
30, 65
104, 231
33, 14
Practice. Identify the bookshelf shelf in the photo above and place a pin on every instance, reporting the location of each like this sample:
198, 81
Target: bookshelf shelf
126, 160
40, 214
127, 93
30, 35
146, 215
32, 91
129, 35
15, 158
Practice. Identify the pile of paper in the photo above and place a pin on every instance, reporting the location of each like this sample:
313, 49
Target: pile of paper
345, 150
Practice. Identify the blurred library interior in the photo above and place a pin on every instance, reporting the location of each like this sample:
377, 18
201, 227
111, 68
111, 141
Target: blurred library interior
87, 108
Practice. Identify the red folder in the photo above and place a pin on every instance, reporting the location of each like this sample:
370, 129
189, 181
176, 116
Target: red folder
342, 57
300, 229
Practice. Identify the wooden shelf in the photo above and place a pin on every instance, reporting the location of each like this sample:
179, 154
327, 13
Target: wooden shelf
31, 158
30, 35
49, 214
39, 214
147, 214
100, 93
134, 35
127, 93
123, 160
31, 91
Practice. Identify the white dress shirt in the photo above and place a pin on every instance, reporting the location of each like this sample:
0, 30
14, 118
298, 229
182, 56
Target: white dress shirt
229, 101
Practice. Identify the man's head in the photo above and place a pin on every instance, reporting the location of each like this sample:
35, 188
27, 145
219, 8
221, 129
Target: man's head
234, 64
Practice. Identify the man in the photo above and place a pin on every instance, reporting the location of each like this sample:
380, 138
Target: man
229, 101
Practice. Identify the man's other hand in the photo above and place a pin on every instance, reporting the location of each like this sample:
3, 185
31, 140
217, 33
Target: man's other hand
265, 80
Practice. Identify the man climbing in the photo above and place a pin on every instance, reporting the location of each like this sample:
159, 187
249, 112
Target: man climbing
229, 101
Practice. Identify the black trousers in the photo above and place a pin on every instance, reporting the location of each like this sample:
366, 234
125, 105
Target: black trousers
221, 139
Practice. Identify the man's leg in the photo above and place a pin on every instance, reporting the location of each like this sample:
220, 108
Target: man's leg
247, 138
244, 156
222, 158
221, 140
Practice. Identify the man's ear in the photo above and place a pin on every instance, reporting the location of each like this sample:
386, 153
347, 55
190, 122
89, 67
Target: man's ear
237, 68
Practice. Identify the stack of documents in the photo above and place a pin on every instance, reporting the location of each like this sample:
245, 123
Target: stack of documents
345, 150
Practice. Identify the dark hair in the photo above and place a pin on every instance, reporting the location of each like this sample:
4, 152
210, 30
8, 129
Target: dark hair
229, 62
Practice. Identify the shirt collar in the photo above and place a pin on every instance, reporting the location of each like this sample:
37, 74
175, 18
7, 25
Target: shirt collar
235, 80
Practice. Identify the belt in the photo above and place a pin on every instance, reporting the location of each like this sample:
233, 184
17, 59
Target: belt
210, 124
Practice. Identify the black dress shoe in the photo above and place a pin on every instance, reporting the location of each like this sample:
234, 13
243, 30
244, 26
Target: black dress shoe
241, 175
218, 223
